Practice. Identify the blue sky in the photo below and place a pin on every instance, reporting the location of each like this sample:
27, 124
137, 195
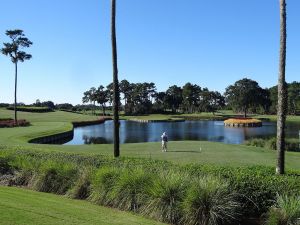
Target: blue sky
211, 43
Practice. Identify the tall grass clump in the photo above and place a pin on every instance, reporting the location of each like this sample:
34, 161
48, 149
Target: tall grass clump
55, 177
131, 191
25, 169
166, 196
209, 202
257, 142
286, 211
102, 184
82, 186
4, 165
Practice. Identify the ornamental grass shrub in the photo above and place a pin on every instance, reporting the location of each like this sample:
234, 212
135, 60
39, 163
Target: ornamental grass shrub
158, 189
4, 165
103, 183
257, 142
25, 169
256, 185
131, 191
286, 211
210, 202
82, 186
166, 196
55, 177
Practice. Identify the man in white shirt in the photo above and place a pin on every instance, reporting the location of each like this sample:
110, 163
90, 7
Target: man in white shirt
164, 140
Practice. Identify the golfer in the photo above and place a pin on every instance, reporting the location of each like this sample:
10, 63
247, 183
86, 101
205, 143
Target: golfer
164, 140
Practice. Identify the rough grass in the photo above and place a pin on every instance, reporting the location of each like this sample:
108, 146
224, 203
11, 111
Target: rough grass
20, 206
286, 211
149, 186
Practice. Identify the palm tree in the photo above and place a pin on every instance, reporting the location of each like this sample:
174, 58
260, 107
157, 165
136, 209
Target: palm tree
116, 96
282, 92
13, 50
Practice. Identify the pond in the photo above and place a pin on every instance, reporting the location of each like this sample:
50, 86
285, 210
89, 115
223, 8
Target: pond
134, 132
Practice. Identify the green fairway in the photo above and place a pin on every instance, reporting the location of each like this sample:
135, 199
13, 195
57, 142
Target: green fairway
42, 124
20, 206
179, 151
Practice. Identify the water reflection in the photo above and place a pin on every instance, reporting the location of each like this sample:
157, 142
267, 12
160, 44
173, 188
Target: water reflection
133, 132
94, 140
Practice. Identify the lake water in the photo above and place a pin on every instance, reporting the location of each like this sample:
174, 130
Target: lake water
133, 132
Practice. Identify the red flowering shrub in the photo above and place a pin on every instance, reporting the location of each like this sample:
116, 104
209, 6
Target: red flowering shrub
11, 123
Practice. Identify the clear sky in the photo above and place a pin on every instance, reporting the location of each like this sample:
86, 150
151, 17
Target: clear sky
211, 43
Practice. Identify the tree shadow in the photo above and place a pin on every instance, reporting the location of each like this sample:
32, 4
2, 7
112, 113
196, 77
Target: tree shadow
185, 151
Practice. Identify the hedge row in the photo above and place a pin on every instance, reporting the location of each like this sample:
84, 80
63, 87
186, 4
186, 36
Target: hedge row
290, 144
158, 189
31, 109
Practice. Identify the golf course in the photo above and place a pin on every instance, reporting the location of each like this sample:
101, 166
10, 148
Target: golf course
183, 152
20, 206
149, 112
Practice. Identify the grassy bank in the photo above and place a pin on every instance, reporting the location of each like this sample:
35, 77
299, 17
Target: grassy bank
20, 206
154, 188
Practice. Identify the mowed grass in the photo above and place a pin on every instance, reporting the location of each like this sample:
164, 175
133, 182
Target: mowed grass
42, 124
182, 152
20, 206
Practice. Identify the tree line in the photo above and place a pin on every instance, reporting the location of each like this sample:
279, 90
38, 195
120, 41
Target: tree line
244, 96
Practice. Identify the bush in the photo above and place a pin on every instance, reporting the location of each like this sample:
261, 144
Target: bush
286, 211
82, 186
209, 202
103, 182
11, 123
290, 144
165, 197
257, 142
257, 185
25, 169
131, 190
31, 109
128, 183
4, 165
55, 177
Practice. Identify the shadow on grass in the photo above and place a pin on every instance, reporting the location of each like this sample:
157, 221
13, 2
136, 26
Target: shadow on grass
185, 151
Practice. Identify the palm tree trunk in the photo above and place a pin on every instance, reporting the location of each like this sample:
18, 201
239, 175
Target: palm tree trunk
15, 105
282, 93
116, 95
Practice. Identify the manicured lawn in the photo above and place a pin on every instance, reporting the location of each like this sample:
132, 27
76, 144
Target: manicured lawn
184, 152
42, 124
57, 116
179, 152
20, 206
